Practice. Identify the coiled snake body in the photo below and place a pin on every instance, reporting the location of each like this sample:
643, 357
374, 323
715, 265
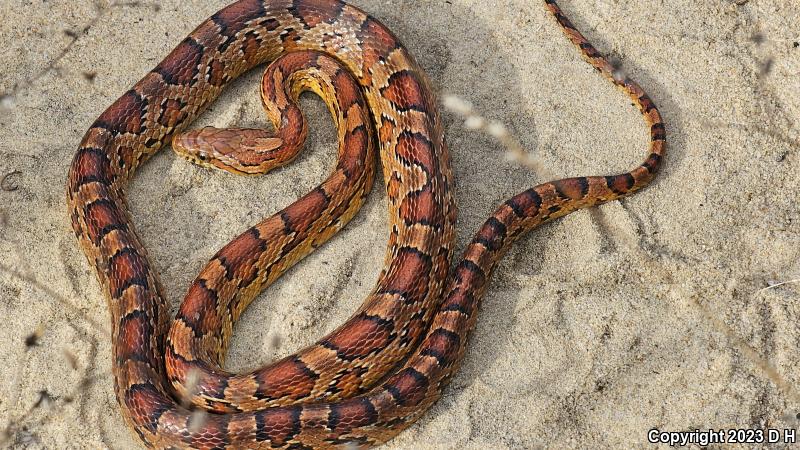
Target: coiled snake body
377, 373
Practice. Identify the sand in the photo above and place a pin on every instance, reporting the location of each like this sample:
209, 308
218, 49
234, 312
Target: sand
583, 340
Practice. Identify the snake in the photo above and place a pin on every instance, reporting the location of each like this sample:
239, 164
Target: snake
377, 373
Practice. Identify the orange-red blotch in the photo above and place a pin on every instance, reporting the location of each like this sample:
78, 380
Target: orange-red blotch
491, 234
376, 42
287, 378
572, 188
199, 309
102, 217
361, 336
235, 17
302, 213
525, 204
134, 331
146, 405
415, 148
469, 274
356, 143
422, 207
293, 130
278, 425
314, 12
408, 387
461, 300
408, 275
212, 432
128, 269
441, 344
620, 184
182, 65
347, 91
126, 115
406, 92
240, 255
89, 165
351, 413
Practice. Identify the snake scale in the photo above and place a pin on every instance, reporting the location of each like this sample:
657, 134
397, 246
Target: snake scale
377, 373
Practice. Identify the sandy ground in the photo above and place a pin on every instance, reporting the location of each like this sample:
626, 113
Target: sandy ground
581, 341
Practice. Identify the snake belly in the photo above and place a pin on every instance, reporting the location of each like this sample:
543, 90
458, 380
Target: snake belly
421, 315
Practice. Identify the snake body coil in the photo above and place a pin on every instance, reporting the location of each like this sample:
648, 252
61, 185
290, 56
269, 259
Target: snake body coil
377, 373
